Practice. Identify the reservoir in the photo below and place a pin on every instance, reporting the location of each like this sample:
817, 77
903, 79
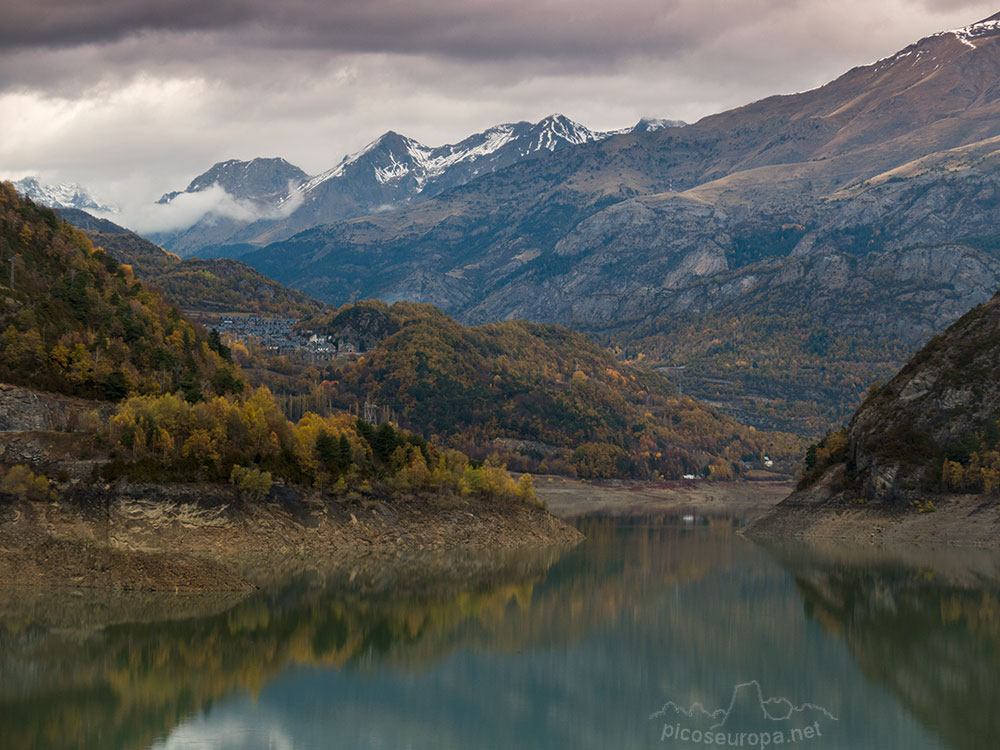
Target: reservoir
654, 632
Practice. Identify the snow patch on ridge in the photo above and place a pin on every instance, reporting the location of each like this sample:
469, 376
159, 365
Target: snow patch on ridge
61, 195
424, 163
967, 33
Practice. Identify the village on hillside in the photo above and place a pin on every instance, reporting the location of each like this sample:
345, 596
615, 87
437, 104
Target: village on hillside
279, 336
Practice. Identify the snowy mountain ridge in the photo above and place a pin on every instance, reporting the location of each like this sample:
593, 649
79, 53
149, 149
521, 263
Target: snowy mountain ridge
62, 195
987, 26
267, 199
393, 156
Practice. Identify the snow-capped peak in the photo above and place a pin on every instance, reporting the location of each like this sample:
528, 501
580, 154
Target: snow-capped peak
62, 195
386, 141
987, 26
558, 128
925, 51
392, 158
394, 168
652, 124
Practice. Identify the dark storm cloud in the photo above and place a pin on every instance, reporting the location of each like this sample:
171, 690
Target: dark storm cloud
63, 23
461, 28
61, 44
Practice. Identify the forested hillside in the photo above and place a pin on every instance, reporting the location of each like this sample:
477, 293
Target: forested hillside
78, 322
216, 285
543, 395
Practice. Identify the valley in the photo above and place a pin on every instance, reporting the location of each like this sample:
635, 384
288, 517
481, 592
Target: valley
595, 431
665, 302
864, 206
787, 254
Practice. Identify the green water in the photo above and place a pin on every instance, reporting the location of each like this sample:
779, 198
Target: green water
537, 649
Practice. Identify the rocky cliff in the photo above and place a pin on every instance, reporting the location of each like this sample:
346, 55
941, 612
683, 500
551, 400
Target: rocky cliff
943, 406
23, 409
920, 457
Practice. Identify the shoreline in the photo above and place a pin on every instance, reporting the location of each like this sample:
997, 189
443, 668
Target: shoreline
201, 537
572, 498
819, 513
194, 538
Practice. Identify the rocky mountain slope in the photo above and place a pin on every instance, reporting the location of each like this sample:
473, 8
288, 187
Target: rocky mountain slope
390, 172
940, 411
924, 443
258, 186
257, 178
788, 205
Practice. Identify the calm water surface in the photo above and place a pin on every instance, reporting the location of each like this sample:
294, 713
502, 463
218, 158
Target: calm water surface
607, 645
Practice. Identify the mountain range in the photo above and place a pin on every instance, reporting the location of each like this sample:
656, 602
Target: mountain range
665, 210
389, 172
775, 259
866, 208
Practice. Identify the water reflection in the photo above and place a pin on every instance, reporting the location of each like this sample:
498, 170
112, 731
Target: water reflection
924, 623
99, 669
543, 648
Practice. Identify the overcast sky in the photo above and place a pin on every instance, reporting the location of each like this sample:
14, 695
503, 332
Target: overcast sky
132, 98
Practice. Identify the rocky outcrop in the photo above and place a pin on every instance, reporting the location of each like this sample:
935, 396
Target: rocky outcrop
23, 409
919, 457
941, 404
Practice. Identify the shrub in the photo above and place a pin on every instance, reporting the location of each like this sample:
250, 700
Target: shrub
23, 482
525, 490
831, 450
251, 482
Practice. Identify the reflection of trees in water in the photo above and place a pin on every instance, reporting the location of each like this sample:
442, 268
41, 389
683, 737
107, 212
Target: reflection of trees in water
933, 639
122, 685
615, 575
689, 609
